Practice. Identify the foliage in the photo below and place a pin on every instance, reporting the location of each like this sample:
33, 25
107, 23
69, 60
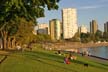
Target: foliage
85, 37
29, 9
76, 37
11, 29
98, 35
105, 36
13, 10
42, 38
24, 33
7, 33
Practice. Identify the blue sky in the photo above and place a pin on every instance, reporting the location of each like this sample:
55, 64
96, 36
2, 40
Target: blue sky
87, 10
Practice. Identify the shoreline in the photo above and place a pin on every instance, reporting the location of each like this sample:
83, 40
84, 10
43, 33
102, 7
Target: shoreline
98, 57
66, 46
71, 45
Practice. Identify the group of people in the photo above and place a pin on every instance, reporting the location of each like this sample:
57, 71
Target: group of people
68, 58
85, 53
22, 48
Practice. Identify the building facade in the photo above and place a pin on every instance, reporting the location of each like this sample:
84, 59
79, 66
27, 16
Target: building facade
55, 29
93, 26
106, 27
83, 29
69, 19
43, 29
35, 30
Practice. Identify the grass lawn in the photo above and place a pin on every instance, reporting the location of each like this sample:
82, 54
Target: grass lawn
48, 61
1, 56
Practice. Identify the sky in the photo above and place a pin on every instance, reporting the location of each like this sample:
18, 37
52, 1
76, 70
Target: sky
87, 10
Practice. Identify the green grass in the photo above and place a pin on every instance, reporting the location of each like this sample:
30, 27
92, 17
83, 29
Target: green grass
1, 56
47, 61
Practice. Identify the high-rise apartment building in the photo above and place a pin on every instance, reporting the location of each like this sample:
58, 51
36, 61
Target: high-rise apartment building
43, 28
93, 26
83, 29
106, 27
55, 29
105, 34
35, 30
69, 19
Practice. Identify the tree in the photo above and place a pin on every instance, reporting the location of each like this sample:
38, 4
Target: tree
76, 37
98, 35
105, 36
29, 9
7, 32
24, 33
13, 10
85, 37
42, 38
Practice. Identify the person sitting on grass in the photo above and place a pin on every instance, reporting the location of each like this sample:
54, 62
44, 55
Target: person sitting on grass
66, 60
73, 57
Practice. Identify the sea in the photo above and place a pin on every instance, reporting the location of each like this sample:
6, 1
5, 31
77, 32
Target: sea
101, 52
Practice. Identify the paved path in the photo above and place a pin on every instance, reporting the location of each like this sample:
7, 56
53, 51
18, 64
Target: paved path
95, 58
4, 55
3, 52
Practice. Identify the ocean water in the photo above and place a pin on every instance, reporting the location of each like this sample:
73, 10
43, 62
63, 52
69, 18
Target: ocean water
98, 51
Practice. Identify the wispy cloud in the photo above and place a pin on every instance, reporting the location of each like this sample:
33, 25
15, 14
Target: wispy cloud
103, 0
90, 7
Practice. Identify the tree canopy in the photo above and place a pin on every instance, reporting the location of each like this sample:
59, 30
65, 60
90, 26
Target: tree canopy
29, 9
12, 11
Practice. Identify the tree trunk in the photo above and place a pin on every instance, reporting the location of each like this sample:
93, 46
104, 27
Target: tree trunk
5, 42
4, 39
9, 42
1, 43
13, 42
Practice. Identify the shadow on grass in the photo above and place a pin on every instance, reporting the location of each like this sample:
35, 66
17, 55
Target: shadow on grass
46, 56
102, 64
57, 66
41, 58
3, 59
89, 64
